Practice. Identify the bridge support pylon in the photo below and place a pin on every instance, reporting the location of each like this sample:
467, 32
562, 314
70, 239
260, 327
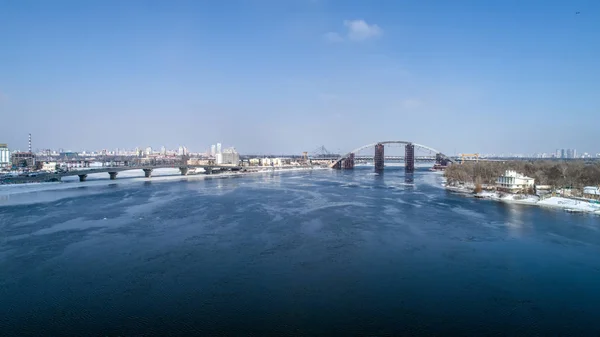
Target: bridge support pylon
183, 170
148, 173
348, 163
379, 161
112, 175
441, 162
409, 158
82, 177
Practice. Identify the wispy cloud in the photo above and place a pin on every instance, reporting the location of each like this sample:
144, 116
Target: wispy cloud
411, 103
333, 37
356, 30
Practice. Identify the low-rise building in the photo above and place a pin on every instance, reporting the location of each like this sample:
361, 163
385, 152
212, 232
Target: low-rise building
271, 162
514, 182
591, 192
49, 166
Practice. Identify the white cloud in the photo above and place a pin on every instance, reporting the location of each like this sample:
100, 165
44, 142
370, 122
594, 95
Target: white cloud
357, 30
360, 30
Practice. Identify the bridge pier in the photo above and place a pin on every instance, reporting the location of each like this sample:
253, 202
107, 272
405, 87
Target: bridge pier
441, 162
183, 170
379, 161
409, 158
112, 175
348, 163
82, 177
147, 173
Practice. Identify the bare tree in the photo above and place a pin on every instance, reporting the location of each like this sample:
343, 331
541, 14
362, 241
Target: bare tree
557, 174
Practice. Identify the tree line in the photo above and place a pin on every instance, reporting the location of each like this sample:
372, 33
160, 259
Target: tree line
575, 174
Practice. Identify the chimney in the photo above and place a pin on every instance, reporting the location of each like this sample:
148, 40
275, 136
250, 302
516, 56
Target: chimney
30, 143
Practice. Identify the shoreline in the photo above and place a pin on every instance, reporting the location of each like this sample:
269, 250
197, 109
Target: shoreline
566, 204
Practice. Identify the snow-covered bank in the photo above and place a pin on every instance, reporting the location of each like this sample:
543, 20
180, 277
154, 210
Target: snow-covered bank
570, 205
567, 204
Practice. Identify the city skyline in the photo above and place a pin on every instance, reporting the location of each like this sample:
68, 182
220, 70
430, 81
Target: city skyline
285, 77
213, 149
561, 153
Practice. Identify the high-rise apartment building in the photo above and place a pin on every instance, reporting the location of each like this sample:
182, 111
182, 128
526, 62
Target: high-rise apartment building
4, 156
228, 157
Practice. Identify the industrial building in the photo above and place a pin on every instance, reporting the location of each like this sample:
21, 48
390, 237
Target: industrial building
5, 161
23, 159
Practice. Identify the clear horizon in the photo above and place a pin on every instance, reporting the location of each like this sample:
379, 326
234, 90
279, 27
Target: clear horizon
271, 76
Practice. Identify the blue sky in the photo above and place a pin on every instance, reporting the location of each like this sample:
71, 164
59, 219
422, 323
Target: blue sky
290, 75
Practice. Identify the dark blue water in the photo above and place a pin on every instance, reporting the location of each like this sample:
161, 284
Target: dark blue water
309, 253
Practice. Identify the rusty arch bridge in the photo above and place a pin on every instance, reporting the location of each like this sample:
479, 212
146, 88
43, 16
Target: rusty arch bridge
347, 160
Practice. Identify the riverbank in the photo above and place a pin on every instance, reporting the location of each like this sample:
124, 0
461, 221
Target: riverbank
566, 204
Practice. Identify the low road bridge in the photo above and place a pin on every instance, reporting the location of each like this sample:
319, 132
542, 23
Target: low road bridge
114, 170
347, 161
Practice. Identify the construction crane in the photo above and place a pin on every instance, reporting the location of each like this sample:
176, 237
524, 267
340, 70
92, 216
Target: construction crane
464, 156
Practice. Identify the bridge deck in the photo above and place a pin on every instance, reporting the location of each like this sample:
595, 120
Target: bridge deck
105, 169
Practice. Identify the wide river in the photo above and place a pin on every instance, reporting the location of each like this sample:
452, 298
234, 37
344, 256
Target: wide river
297, 253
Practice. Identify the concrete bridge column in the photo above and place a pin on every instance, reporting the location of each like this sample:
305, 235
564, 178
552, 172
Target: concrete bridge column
82, 177
112, 175
183, 170
348, 163
441, 161
147, 173
409, 158
379, 161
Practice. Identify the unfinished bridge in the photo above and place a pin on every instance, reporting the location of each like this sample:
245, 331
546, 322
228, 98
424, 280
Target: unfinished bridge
347, 160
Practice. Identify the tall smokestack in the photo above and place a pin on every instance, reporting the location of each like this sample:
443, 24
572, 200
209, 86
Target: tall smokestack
30, 143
